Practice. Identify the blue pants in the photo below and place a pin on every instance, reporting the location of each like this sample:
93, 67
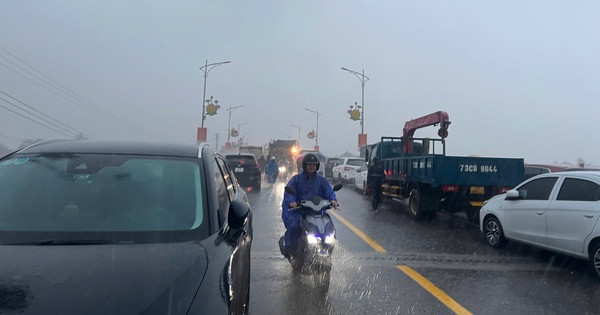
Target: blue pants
291, 221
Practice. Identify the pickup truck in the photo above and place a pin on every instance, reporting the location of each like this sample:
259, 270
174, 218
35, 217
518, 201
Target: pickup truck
433, 181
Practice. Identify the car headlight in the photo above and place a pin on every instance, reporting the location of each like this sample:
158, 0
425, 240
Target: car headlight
282, 168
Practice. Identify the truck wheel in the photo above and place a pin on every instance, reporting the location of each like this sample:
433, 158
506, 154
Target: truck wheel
414, 203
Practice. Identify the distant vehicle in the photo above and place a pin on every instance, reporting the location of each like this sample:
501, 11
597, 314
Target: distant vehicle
282, 148
346, 169
99, 227
536, 169
246, 170
255, 150
329, 164
556, 211
360, 179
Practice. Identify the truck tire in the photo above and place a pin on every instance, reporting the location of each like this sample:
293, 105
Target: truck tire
414, 204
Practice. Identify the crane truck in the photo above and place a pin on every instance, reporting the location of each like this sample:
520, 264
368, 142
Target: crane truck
419, 170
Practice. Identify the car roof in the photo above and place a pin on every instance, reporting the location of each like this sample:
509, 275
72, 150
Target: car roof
114, 147
593, 175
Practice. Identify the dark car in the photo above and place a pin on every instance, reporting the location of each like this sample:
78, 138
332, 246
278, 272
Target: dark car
246, 170
331, 162
97, 227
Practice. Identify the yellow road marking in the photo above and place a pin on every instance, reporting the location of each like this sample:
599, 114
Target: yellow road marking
435, 291
358, 232
418, 278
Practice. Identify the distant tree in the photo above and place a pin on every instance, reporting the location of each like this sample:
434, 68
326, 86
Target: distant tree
80, 136
28, 142
348, 154
580, 162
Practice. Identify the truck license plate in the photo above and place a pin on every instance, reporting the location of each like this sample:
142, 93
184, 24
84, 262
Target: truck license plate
239, 170
477, 190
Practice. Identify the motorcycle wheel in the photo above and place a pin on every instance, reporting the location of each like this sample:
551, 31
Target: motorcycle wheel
322, 280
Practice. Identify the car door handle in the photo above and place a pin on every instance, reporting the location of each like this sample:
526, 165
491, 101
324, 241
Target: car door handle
540, 212
588, 216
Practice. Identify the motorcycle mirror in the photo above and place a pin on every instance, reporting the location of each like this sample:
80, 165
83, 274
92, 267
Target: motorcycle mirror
290, 190
336, 187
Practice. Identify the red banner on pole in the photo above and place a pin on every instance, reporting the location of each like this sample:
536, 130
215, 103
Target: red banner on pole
201, 137
362, 140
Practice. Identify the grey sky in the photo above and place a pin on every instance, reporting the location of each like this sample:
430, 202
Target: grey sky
518, 78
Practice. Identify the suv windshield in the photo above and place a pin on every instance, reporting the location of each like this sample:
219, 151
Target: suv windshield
240, 159
99, 193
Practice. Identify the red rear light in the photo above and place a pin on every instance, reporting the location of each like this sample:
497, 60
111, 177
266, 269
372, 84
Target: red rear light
450, 188
502, 190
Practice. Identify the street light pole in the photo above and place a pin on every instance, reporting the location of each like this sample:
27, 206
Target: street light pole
317, 114
363, 78
230, 109
298, 135
239, 130
206, 69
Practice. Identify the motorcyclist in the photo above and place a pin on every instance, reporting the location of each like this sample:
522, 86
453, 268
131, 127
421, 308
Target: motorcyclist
272, 170
374, 180
306, 184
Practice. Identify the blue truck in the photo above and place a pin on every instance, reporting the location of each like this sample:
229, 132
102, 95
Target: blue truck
419, 170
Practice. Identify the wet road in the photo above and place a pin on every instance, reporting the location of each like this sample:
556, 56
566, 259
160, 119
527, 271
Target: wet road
387, 263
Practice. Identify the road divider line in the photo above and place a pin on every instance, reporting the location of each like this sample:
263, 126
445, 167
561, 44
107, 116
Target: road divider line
358, 232
435, 291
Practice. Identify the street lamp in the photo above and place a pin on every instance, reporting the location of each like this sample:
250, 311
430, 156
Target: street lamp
230, 109
317, 135
239, 129
363, 78
298, 135
206, 69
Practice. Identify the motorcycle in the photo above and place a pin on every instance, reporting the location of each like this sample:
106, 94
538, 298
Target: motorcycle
314, 247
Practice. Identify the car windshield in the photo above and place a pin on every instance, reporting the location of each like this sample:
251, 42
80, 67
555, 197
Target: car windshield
99, 193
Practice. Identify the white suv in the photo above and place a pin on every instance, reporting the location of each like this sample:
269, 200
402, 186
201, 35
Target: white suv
345, 170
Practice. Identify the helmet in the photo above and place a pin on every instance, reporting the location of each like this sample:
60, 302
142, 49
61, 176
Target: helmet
272, 158
310, 158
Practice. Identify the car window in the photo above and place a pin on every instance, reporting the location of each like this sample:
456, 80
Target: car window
228, 178
96, 193
355, 162
579, 190
538, 189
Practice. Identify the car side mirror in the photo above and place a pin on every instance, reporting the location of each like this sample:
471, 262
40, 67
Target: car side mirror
238, 213
512, 195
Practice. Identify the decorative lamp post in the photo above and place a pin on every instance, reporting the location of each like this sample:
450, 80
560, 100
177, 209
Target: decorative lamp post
313, 133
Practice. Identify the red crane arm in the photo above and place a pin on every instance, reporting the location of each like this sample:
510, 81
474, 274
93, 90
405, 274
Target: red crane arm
411, 126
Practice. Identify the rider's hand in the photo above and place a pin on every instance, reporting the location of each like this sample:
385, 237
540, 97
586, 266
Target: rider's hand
293, 204
334, 204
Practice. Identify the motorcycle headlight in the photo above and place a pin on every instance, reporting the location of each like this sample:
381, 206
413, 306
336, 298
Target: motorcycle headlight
330, 239
282, 168
313, 239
